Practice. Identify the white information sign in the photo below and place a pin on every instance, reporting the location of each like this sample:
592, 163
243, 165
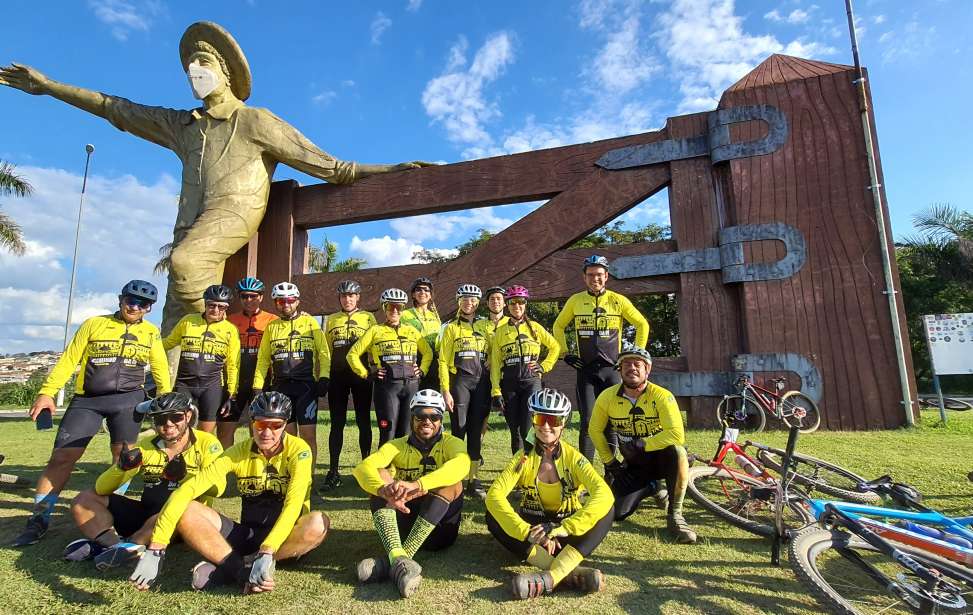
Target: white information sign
950, 342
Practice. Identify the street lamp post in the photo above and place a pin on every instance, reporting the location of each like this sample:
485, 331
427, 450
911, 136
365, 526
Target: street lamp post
89, 149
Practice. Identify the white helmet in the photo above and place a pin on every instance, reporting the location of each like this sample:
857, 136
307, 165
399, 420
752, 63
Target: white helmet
428, 398
284, 290
394, 295
549, 401
468, 290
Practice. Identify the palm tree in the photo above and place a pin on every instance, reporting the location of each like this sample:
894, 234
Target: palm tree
325, 259
11, 235
943, 224
165, 258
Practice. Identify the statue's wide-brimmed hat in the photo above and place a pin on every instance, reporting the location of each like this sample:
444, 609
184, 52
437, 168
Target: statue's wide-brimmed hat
216, 37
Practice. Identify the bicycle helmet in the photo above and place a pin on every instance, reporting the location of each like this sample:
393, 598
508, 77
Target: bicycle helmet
271, 405
428, 399
549, 401
250, 285
394, 295
595, 260
494, 289
422, 281
635, 352
218, 293
142, 290
166, 403
516, 292
284, 290
468, 290
349, 287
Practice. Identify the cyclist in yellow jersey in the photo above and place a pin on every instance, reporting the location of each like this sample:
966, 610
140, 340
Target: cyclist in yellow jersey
341, 330
424, 318
293, 347
598, 317
415, 484
395, 350
209, 357
116, 527
651, 439
552, 529
112, 352
273, 476
250, 321
516, 366
495, 302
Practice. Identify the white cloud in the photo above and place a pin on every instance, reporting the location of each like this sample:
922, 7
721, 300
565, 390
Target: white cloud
655, 209
797, 16
457, 226
413, 5
384, 251
378, 27
324, 97
908, 43
456, 98
623, 63
879, 19
123, 16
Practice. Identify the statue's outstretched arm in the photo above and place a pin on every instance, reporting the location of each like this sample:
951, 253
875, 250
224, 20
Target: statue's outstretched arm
32, 81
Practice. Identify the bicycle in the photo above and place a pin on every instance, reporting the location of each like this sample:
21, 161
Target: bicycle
949, 403
750, 407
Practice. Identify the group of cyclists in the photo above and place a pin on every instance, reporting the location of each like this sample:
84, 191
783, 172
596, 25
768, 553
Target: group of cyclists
269, 370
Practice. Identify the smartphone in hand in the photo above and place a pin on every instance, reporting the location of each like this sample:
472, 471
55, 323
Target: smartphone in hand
45, 420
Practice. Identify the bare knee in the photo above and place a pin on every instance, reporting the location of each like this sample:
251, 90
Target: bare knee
65, 456
316, 527
87, 500
449, 492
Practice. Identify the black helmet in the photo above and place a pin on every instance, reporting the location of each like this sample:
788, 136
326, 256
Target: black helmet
423, 281
595, 260
166, 403
349, 287
142, 290
494, 289
271, 405
219, 293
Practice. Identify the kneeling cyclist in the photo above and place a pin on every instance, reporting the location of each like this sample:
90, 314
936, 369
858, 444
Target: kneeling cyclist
273, 476
415, 484
552, 529
116, 527
651, 439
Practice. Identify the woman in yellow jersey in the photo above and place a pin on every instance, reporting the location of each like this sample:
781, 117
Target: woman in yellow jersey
424, 318
516, 366
341, 330
552, 529
209, 356
395, 349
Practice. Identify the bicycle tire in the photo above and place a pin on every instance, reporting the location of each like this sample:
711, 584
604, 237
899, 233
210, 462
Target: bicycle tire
807, 470
786, 409
702, 488
949, 403
728, 411
811, 547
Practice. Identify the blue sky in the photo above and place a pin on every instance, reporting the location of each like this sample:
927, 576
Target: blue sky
434, 80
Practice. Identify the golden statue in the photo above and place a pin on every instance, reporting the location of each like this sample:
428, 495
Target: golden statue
228, 150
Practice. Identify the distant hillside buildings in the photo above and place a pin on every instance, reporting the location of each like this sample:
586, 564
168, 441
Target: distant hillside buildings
17, 368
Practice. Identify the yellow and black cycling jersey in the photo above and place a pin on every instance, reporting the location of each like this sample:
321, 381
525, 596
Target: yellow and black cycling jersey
514, 346
205, 350
293, 348
394, 349
203, 449
654, 418
424, 321
598, 322
435, 464
487, 327
275, 491
574, 472
112, 355
464, 349
341, 331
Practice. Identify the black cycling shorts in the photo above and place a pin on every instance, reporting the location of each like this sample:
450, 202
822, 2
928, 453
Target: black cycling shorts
129, 515
243, 539
304, 400
82, 420
209, 399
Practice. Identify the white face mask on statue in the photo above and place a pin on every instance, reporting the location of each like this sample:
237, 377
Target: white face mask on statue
203, 81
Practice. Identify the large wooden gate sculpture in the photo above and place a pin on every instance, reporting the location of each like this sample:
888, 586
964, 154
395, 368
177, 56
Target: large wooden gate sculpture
774, 259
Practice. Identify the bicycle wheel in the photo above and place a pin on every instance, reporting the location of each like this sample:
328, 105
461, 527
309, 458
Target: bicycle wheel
741, 413
825, 561
826, 477
950, 403
798, 410
742, 500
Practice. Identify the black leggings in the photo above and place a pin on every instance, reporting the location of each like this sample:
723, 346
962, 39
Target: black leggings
592, 380
585, 543
392, 407
471, 404
515, 395
343, 384
639, 480
209, 399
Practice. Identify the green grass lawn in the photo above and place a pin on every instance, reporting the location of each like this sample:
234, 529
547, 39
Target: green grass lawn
728, 571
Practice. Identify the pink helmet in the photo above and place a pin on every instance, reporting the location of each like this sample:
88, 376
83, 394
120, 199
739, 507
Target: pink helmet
517, 292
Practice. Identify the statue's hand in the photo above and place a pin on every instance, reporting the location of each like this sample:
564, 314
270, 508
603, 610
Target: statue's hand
415, 164
23, 78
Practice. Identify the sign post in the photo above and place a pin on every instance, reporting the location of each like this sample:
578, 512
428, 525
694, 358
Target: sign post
950, 341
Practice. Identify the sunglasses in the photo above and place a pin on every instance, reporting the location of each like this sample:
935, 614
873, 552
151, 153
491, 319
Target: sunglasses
539, 420
261, 425
286, 300
517, 302
220, 307
422, 289
137, 302
393, 307
427, 418
249, 296
175, 418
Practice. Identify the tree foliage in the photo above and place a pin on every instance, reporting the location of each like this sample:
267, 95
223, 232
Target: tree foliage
12, 184
325, 259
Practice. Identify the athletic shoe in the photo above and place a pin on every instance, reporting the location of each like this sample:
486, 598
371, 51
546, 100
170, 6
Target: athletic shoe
680, 530
585, 579
201, 575
661, 498
82, 550
531, 585
477, 489
118, 555
407, 575
332, 480
34, 530
372, 569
